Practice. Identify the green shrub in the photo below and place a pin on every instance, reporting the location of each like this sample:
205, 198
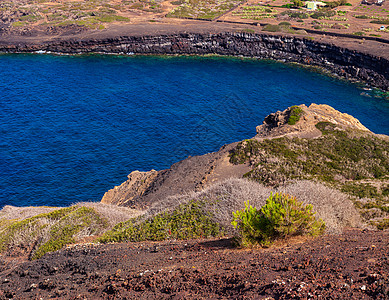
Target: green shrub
243, 151
297, 3
361, 17
323, 14
284, 24
381, 22
112, 18
381, 224
280, 217
271, 28
295, 113
385, 190
185, 222
248, 30
360, 190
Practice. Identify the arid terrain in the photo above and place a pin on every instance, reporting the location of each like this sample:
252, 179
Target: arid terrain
353, 265
130, 246
179, 243
31, 18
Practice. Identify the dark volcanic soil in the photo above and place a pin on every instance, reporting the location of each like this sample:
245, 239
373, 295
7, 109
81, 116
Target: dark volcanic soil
354, 265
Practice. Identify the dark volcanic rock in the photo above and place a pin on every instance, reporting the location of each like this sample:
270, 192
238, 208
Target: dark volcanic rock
354, 265
346, 63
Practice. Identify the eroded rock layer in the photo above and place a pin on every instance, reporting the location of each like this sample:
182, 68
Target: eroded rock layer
346, 63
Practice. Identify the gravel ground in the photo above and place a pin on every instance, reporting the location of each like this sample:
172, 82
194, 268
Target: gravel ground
354, 265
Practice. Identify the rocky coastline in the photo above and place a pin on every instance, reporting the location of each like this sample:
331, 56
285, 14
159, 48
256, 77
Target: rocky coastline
351, 263
343, 62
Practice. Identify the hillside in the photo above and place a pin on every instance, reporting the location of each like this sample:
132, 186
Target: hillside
32, 18
168, 234
323, 145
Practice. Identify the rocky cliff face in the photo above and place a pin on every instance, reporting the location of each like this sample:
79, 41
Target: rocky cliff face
195, 173
346, 63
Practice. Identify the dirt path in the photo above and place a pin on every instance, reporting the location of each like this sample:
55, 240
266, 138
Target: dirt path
354, 265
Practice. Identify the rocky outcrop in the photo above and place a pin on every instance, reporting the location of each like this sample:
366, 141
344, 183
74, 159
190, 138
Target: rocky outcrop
276, 124
136, 186
192, 174
346, 63
195, 173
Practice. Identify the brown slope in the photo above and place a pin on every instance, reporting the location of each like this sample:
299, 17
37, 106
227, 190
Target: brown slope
195, 173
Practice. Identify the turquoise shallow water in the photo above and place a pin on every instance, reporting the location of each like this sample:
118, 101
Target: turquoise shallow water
72, 127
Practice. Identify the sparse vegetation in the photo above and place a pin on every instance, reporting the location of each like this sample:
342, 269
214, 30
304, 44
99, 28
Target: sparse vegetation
280, 217
184, 222
202, 214
295, 114
202, 9
296, 14
343, 159
56, 228
382, 224
255, 12
281, 27
88, 14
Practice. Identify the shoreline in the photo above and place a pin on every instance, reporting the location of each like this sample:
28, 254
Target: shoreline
355, 61
310, 68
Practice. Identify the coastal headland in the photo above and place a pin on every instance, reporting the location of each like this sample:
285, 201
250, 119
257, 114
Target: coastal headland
132, 244
140, 243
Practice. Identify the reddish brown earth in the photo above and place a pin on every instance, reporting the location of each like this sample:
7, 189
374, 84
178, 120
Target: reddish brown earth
354, 265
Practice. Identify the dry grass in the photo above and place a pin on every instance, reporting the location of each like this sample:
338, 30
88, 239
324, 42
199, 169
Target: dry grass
43, 229
10, 212
112, 213
334, 207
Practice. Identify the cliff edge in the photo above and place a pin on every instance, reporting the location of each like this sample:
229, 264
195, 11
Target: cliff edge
195, 173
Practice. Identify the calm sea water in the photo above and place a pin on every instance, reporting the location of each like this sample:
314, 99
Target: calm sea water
72, 127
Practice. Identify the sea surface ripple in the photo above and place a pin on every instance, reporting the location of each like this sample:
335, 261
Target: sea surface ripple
73, 127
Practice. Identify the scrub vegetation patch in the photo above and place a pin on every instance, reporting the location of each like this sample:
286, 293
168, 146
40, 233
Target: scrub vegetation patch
355, 162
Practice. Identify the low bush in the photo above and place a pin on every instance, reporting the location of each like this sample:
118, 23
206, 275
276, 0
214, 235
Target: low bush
280, 217
334, 4
381, 22
295, 14
323, 14
185, 222
272, 28
338, 154
381, 224
295, 113
284, 24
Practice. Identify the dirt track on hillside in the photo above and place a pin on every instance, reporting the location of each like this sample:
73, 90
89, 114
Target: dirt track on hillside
354, 265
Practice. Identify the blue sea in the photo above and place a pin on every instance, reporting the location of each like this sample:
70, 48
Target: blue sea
72, 127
